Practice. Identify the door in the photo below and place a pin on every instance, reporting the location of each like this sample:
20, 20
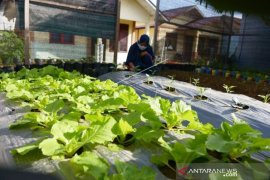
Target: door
188, 44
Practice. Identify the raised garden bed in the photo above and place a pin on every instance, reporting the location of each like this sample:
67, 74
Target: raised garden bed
114, 115
249, 88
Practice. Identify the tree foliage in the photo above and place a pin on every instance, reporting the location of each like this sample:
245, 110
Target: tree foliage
11, 46
259, 7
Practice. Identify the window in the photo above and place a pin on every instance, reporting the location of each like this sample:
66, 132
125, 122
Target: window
171, 41
60, 38
123, 39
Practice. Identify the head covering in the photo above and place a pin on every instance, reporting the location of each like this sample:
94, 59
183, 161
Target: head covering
144, 38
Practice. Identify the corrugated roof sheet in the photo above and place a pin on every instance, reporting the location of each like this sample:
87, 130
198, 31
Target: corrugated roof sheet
172, 4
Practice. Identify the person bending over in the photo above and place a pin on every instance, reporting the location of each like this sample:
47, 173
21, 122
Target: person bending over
140, 54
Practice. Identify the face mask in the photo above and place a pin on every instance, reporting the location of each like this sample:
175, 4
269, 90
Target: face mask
141, 47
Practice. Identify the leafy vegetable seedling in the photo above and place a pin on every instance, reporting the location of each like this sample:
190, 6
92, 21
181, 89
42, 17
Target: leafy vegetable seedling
265, 98
149, 79
228, 88
169, 87
195, 81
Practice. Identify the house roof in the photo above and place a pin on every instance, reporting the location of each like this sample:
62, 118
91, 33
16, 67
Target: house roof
171, 4
221, 23
183, 11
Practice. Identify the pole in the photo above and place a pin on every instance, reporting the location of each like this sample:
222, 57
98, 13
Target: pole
156, 27
26, 33
230, 36
117, 26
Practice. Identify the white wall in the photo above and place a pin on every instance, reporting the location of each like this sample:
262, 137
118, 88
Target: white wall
131, 10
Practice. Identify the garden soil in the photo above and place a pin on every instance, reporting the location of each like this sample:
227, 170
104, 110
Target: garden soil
248, 88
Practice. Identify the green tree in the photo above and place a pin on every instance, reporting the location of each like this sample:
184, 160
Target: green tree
259, 7
11, 47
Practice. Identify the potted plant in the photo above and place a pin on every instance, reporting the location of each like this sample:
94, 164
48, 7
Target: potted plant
11, 47
38, 61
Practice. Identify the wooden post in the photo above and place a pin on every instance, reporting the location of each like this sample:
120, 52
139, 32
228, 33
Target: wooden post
117, 26
156, 27
230, 37
26, 33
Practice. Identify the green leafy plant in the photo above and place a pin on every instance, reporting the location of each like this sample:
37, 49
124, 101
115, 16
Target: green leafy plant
228, 88
11, 47
149, 79
122, 129
170, 84
75, 115
266, 98
195, 81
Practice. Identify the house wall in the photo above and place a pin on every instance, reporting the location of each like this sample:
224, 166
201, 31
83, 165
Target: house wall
121, 56
253, 51
133, 11
42, 48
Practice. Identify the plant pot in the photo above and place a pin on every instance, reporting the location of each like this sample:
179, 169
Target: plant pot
249, 78
78, 67
198, 70
208, 70
227, 74
69, 66
238, 75
233, 74
38, 61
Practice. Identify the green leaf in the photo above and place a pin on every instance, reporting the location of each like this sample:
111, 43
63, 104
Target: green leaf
50, 147
72, 116
90, 164
219, 143
164, 105
61, 128
25, 149
147, 134
122, 128
179, 107
132, 172
100, 131
150, 117
132, 118
21, 123
55, 106
27, 120
87, 165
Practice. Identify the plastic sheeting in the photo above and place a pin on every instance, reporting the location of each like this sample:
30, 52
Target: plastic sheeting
215, 110
10, 139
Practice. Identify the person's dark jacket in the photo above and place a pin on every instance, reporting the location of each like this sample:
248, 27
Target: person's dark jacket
134, 56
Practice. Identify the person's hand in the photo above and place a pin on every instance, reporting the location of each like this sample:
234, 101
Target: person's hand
131, 67
144, 53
